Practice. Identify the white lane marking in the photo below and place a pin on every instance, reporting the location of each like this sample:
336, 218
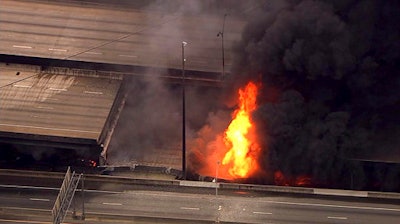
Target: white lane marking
111, 203
93, 52
128, 55
22, 86
39, 199
58, 49
263, 213
94, 92
190, 208
337, 217
46, 108
57, 89
335, 206
22, 46
45, 128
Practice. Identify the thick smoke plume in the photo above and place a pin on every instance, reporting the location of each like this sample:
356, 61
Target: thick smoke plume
332, 72
329, 102
149, 130
149, 127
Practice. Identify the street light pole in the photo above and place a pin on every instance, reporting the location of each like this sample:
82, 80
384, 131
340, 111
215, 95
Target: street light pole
183, 113
221, 33
216, 179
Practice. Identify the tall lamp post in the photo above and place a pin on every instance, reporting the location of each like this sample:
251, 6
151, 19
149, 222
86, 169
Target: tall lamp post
183, 113
216, 179
221, 34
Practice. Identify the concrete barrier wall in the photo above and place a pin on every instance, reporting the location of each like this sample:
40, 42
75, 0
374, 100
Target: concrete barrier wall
28, 173
127, 180
20, 67
383, 195
186, 183
335, 192
266, 188
230, 186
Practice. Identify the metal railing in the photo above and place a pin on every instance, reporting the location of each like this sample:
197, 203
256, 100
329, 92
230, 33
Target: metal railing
65, 196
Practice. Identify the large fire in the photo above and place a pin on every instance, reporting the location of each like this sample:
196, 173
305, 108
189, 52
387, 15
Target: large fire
234, 153
240, 139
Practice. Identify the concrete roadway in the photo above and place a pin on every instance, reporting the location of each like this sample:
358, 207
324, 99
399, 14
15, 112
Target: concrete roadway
54, 105
168, 205
122, 35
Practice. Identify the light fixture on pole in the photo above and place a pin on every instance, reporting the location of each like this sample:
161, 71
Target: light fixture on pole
221, 33
183, 113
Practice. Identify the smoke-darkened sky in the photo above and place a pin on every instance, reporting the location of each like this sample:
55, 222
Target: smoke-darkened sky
335, 66
330, 94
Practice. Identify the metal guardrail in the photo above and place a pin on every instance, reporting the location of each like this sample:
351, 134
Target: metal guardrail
61, 195
65, 196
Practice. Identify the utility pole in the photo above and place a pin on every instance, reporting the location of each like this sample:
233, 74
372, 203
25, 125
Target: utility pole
216, 179
83, 197
221, 33
183, 113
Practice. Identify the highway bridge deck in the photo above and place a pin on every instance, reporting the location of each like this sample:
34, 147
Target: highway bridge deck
55, 105
53, 118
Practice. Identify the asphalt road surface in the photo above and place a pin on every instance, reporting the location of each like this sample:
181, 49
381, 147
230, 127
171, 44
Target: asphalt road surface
136, 35
157, 204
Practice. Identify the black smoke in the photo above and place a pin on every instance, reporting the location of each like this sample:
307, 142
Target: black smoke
149, 129
334, 68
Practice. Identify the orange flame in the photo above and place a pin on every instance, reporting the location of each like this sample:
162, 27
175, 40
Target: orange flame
241, 157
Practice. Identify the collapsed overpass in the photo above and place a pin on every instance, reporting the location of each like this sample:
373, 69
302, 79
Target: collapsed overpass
62, 112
